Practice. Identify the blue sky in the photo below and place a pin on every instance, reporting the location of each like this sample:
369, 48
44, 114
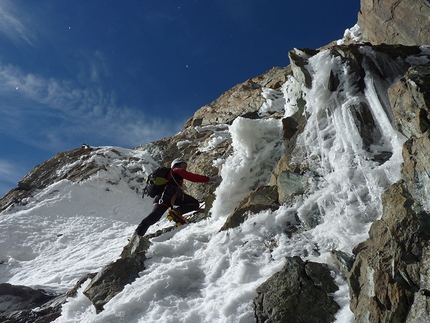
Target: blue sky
125, 73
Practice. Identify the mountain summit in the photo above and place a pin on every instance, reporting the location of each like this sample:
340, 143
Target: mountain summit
322, 214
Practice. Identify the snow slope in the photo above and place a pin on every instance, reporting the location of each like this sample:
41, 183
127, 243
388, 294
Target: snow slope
196, 273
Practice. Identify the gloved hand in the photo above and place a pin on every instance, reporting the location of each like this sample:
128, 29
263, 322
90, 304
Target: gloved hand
215, 179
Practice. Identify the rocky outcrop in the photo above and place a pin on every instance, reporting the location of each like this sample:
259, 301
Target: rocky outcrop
263, 198
23, 304
243, 100
15, 298
386, 273
389, 278
410, 101
404, 22
300, 292
112, 278
391, 62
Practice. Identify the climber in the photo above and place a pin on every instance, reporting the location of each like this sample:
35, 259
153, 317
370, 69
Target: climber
173, 195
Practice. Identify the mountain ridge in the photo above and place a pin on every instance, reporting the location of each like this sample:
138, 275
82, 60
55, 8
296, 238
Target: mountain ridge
378, 85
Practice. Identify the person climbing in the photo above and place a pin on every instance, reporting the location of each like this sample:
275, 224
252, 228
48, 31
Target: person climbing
173, 196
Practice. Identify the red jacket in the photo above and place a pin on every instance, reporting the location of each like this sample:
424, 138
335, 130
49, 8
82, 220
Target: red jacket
182, 174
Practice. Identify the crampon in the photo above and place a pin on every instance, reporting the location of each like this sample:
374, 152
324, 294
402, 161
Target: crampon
175, 216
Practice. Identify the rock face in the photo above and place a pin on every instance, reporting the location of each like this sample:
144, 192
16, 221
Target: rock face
389, 278
210, 124
404, 22
410, 99
298, 293
386, 273
242, 100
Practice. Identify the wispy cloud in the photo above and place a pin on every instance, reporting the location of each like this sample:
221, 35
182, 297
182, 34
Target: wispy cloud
52, 112
8, 171
15, 24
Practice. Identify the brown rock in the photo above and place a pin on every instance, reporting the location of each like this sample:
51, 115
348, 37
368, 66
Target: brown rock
386, 273
410, 101
263, 198
395, 22
243, 99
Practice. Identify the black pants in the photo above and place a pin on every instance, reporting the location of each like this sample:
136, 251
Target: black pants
186, 203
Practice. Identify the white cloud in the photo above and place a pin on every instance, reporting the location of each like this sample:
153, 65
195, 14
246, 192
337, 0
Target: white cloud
10, 174
11, 171
51, 112
8, 171
15, 24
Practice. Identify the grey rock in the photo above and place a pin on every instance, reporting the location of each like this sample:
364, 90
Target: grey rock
300, 292
291, 184
21, 297
263, 198
344, 261
112, 278
23, 304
